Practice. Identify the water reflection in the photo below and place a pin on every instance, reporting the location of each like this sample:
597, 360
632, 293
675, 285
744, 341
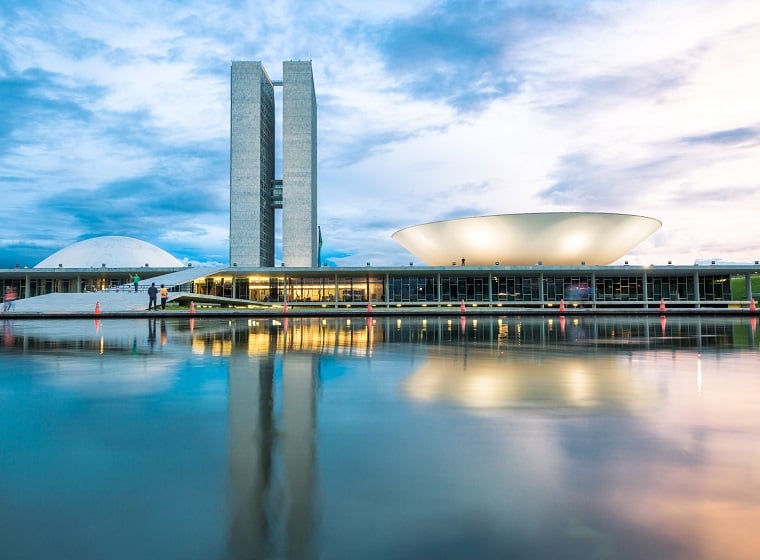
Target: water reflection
358, 337
609, 437
272, 459
477, 379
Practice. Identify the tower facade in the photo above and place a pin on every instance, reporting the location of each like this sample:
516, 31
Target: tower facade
299, 165
252, 138
254, 195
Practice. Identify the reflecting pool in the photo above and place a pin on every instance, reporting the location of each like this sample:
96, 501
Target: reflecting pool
577, 438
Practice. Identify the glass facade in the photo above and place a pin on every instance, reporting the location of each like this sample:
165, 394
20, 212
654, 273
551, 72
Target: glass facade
515, 288
714, 288
621, 288
600, 287
468, 288
412, 289
448, 289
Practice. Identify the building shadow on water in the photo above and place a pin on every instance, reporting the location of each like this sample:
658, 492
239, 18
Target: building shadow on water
272, 455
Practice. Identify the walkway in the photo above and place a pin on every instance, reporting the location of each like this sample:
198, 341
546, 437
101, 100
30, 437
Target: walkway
122, 298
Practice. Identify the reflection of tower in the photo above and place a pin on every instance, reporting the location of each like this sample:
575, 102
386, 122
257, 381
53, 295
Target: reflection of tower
251, 432
265, 519
300, 375
254, 192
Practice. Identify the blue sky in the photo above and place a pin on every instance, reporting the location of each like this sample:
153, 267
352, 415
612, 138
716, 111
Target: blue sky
114, 118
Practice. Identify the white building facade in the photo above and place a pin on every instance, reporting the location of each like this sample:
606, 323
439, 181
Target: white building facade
255, 193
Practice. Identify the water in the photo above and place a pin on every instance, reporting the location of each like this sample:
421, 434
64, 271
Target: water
532, 438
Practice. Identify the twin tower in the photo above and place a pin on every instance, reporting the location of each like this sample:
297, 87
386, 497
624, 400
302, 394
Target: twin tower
255, 193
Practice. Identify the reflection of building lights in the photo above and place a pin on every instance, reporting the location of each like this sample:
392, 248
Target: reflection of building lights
699, 376
580, 388
198, 346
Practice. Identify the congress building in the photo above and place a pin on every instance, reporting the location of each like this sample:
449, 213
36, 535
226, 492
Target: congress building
255, 192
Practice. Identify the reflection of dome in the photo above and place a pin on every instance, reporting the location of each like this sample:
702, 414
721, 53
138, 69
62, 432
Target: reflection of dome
546, 381
553, 238
111, 251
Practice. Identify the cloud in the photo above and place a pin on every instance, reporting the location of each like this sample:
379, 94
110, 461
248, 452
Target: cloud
726, 137
115, 117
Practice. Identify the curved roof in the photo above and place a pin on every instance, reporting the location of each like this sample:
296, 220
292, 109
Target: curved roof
553, 238
112, 251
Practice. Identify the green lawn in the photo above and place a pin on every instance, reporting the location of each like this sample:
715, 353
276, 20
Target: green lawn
739, 290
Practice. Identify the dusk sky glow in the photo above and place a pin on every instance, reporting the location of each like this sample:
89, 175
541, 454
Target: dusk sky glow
114, 118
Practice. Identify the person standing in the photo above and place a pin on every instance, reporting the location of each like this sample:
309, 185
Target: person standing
135, 280
152, 292
164, 295
8, 298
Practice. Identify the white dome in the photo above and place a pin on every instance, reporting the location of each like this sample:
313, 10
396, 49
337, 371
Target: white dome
112, 251
554, 238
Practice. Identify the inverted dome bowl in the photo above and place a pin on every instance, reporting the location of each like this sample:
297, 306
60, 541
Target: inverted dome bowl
553, 238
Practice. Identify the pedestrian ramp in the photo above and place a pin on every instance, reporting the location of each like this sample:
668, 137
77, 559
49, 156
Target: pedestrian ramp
82, 303
124, 298
111, 301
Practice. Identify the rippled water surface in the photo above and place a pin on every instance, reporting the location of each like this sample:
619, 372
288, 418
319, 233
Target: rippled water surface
608, 437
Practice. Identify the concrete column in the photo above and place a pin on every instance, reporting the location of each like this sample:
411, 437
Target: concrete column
748, 285
541, 288
645, 289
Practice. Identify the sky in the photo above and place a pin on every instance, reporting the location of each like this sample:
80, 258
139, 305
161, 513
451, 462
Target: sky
114, 118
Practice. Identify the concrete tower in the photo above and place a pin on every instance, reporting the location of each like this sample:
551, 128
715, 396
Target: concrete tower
254, 195
251, 165
299, 165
